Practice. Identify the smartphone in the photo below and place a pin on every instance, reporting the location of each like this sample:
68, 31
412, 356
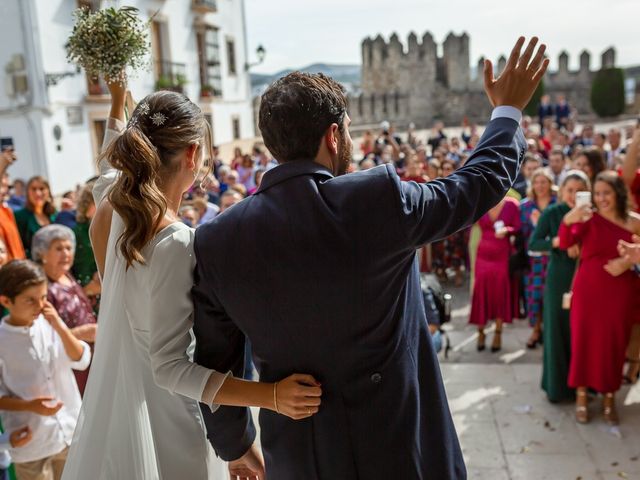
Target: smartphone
6, 143
583, 198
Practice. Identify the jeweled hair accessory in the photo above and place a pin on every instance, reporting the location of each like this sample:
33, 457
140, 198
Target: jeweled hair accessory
157, 118
143, 108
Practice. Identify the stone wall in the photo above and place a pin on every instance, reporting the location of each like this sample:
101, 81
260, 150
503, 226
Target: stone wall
411, 83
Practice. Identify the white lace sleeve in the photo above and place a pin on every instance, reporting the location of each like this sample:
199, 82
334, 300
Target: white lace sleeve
172, 264
107, 173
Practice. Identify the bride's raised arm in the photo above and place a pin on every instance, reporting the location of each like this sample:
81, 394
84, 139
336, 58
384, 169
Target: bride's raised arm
101, 223
115, 125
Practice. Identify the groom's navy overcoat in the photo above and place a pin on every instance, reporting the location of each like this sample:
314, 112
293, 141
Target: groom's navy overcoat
319, 272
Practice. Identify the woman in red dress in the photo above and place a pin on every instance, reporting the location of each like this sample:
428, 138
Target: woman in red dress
491, 299
604, 292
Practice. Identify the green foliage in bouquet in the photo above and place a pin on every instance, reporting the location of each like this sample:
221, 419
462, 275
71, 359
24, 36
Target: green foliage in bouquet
607, 92
109, 41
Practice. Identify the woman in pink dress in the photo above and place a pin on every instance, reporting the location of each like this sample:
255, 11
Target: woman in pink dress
604, 290
491, 299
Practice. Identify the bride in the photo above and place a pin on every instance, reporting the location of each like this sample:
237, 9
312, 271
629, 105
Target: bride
129, 427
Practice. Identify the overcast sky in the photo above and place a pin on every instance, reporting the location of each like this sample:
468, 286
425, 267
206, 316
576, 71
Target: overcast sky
297, 33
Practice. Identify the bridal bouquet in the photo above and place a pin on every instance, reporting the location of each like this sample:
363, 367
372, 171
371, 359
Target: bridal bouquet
108, 41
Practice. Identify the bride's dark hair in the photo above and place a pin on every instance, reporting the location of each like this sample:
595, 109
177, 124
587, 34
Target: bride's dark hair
163, 124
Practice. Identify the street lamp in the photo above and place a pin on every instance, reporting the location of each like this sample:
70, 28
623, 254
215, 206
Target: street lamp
261, 52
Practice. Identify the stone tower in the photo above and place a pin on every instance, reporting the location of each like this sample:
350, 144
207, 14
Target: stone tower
455, 56
609, 58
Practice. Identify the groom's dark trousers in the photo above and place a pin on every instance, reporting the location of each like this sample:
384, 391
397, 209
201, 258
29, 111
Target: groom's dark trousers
319, 272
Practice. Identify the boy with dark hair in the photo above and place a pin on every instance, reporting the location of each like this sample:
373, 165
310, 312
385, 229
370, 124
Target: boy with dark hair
37, 387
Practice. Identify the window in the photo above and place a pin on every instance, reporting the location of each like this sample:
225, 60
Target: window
231, 56
204, 6
235, 126
157, 45
209, 57
99, 128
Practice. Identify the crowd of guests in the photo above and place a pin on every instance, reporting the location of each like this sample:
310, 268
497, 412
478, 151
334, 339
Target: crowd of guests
225, 184
549, 252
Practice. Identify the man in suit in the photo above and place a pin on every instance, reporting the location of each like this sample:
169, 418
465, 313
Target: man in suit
562, 111
329, 286
545, 110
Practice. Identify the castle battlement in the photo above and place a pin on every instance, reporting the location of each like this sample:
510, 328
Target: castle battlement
422, 85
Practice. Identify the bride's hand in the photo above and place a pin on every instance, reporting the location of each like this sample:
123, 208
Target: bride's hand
118, 91
297, 396
117, 88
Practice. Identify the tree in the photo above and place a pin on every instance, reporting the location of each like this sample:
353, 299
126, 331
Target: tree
532, 107
607, 92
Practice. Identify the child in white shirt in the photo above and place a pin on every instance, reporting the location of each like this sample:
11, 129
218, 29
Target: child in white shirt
37, 386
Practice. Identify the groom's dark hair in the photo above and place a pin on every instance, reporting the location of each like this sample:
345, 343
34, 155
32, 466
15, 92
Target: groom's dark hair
295, 112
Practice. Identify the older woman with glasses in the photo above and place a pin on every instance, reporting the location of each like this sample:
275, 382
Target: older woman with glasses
54, 247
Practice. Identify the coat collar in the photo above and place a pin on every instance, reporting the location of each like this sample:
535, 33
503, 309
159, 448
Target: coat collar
288, 170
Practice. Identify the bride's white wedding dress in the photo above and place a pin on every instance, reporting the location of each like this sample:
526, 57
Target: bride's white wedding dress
129, 427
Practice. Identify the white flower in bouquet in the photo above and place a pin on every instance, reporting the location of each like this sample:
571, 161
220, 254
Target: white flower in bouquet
109, 41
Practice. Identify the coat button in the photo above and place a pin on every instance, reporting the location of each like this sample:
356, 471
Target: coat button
376, 378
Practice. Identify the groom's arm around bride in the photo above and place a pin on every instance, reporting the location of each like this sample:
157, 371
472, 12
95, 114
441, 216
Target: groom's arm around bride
328, 285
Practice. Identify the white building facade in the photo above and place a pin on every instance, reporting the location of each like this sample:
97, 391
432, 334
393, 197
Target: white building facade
56, 116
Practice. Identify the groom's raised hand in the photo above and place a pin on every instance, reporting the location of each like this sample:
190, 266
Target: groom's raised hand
521, 76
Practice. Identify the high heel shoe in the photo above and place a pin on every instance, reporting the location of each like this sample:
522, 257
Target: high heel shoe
496, 345
534, 340
481, 339
582, 413
609, 409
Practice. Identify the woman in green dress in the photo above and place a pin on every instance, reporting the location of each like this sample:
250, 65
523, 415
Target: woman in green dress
38, 211
84, 264
556, 333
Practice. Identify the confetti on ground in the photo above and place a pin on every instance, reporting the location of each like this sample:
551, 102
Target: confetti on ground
523, 409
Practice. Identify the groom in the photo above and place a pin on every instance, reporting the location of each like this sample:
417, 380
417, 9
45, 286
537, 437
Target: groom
318, 270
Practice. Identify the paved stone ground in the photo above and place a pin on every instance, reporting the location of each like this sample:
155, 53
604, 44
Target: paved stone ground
507, 428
